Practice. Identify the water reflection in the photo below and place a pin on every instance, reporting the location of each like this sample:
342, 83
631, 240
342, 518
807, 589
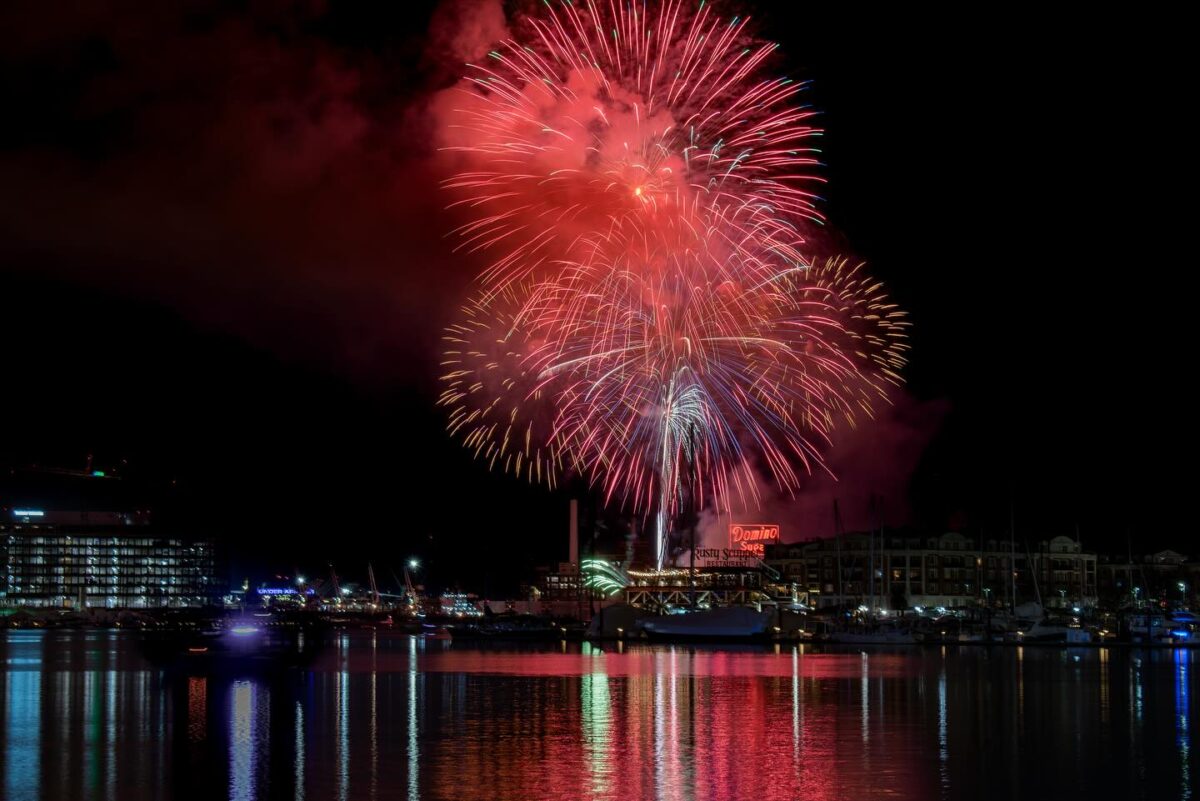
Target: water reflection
943, 738
342, 721
1182, 715
71, 707
241, 741
414, 750
23, 719
386, 716
595, 718
197, 708
298, 774
1104, 691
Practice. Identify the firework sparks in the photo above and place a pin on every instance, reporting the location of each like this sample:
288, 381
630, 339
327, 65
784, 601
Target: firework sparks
650, 318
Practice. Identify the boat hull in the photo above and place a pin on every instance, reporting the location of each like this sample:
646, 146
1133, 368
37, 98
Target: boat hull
734, 624
847, 638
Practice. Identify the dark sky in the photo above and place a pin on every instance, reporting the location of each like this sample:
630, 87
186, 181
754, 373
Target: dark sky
222, 260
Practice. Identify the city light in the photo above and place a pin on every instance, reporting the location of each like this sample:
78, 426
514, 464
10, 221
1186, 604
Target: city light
28, 513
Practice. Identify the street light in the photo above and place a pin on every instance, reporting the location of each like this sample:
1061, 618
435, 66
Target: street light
413, 563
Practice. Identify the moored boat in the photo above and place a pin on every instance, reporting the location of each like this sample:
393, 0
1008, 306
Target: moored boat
883, 633
729, 624
235, 643
1048, 632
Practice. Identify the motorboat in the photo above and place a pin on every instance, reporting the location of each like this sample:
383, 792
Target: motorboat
240, 642
1049, 632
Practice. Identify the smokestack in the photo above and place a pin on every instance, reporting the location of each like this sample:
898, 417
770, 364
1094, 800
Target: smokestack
574, 552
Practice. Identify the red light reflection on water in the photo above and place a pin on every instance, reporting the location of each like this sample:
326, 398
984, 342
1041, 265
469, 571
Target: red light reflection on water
633, 661
674, 724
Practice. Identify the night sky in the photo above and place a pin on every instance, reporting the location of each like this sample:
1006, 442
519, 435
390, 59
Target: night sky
223, 264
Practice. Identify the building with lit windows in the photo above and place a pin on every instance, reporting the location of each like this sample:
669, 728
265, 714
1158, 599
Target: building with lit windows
78, 560
900, 569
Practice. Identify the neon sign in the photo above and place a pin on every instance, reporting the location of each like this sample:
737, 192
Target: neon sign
28, 513
752, 537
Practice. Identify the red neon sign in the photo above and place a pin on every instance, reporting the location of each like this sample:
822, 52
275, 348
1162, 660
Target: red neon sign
752, 536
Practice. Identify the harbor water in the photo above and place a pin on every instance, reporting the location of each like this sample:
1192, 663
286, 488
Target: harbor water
389, 716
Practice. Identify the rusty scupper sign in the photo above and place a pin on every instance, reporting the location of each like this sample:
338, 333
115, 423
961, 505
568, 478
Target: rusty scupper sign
709, 558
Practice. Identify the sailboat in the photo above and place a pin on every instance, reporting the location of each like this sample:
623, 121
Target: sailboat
1034, 627
873, 631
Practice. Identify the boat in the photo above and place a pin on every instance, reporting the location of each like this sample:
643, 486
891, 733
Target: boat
516, 627
436, 633
1043, 631
615, 621
887, 632
1155, 628
727, 624
244, 642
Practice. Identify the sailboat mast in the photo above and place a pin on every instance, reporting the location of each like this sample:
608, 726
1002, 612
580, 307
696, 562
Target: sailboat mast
374, 586
1012, 559
1037, 590
837, 535
877, 503
1129, 545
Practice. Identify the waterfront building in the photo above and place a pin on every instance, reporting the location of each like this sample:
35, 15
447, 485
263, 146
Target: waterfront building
1162, 577
560, 591
56, 556
904, 569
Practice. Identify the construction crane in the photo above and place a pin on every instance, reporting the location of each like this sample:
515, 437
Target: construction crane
374, 587
408, 584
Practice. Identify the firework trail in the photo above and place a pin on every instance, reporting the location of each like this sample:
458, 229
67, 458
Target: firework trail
651, 318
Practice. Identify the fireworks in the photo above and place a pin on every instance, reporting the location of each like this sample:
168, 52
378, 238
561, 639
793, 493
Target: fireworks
651, 318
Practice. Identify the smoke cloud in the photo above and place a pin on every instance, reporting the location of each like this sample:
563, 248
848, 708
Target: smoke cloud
266, 176
876, 459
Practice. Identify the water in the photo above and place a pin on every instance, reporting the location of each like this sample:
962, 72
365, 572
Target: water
82, 716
